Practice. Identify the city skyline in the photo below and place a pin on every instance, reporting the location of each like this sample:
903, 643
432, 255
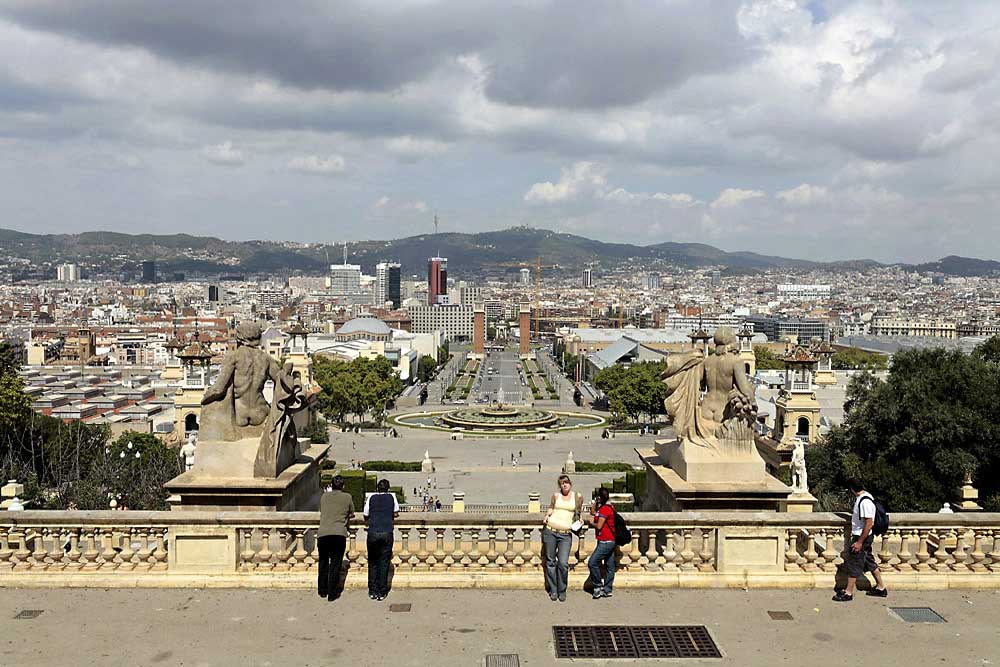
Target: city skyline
820, 130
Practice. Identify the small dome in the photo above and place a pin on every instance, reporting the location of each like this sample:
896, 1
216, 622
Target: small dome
371, 325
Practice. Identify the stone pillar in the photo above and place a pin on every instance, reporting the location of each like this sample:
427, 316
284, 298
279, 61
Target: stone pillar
968, 496
479, 330
458, 503
524, 327
10, 492
569, 467
534, 506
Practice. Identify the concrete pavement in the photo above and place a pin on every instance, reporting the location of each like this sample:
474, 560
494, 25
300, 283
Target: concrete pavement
459, 627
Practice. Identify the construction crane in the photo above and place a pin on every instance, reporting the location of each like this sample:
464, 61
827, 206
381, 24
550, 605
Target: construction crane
538, 266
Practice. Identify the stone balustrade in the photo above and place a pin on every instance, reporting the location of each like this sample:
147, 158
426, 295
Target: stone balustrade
500, 550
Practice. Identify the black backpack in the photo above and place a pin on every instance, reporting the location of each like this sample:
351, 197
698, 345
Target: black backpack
880, 524
623, 535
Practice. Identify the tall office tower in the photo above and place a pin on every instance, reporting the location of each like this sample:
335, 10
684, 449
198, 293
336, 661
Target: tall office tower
437, 281
149, 271
68, 273
651, 281
525, 276
387, 284
588, 278
469, 295
345, 279
212, 293
716, 278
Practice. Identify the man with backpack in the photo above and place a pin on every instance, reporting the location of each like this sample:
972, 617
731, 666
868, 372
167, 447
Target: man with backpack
864, 517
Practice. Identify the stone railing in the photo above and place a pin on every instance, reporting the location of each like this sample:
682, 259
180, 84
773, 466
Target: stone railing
278, 549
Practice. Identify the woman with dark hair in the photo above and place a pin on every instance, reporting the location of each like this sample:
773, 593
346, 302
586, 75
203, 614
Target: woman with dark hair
557, 536
381, 508
604, 553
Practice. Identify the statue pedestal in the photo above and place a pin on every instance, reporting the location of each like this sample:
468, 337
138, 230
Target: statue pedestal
685, 477
222, 480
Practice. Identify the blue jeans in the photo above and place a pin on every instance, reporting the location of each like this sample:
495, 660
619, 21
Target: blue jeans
604, 554
557, 548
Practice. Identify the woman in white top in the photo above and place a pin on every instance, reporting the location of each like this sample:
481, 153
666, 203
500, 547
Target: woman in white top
557, 537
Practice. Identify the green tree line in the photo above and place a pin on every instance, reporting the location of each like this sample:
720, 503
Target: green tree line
633, 392
356, 387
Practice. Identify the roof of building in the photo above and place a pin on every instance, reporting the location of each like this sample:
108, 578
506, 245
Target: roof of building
594, 335
371, 325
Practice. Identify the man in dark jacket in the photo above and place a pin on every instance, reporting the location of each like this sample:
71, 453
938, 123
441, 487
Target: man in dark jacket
381, 508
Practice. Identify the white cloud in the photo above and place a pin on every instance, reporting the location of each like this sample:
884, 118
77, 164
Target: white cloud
731, 197
574, 180
224, 154
385, 204
624, 196
803, 195
411, 149
315, 164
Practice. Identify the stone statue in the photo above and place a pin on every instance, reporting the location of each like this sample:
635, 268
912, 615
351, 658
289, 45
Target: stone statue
800, 478
727, 410
427, 465
188, 450
234, 408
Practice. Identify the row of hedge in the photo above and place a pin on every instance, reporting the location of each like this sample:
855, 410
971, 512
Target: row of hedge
358, 483
608, 466
633, 482
392, 466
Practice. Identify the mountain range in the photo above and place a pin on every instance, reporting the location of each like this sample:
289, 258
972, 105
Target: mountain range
467, 253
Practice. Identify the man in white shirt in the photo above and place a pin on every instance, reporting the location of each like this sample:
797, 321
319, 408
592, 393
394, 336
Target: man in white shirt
859, 551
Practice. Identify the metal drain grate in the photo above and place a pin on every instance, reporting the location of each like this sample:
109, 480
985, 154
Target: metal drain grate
28, 614
402, 606
503, 660
780, 615
636, 641
917, 615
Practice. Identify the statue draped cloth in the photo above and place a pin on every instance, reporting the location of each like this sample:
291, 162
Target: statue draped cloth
684, 376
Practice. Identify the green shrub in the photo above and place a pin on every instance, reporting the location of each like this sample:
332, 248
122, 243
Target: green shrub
318, 432
610, 466
392, 466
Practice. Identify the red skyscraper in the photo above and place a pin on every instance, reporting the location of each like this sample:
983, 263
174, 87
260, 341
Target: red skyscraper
437, 281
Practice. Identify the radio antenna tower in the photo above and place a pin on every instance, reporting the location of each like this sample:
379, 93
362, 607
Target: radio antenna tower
435, 224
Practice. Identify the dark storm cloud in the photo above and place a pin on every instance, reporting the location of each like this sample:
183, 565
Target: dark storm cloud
568, 54
17, 95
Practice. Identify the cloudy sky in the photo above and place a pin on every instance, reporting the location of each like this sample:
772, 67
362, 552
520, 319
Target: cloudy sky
823, 130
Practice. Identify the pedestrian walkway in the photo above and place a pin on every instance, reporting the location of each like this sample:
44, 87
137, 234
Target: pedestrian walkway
460, 627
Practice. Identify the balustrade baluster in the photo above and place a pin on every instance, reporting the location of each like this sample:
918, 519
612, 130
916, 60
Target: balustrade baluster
509, 554
792, 550
923, 555
942, 556
978, 555
355, 558
436, 559
885, 554
403, 558
631, 555
158, 553
959, 556
265, 554
652, 551
522, 555
298, 559
705, 556
21, 555
904, 554
39, 553
284, 551
809, 555
994, 552
90, 554
6, 553
246, 556
127, 553
472, 554
108, 554
491, 555
142, 556
419, 560
670, 556
56, 552
687, 555
454, 559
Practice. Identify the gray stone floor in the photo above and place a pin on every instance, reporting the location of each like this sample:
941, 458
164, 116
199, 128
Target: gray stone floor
459, 627
474, 466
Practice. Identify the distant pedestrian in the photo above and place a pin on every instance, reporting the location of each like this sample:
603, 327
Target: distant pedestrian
539, 467
859, 553
437, 505
557, 536
381, 508
336, 508
603, 556
520, 453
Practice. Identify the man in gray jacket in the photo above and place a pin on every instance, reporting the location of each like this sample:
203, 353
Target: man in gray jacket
336, 509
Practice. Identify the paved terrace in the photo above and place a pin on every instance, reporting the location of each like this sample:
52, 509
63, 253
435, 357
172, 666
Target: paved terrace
460, 627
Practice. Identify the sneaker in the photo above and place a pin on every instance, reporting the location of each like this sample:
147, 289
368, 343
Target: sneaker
372, 596
562, 598
841, 596
553, 597
878, 592
598, 595
608, 594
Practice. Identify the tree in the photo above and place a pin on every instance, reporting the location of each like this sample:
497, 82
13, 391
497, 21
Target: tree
633, 391
913, 437
766, 360
9, 357
856, 359
425, 368
133, 470
989, 350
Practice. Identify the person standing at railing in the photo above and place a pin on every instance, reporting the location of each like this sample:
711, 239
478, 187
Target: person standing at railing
604, 553
381, 508
336, 508
557, 536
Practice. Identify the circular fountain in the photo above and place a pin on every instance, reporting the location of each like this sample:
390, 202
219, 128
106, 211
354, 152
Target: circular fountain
499, 417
